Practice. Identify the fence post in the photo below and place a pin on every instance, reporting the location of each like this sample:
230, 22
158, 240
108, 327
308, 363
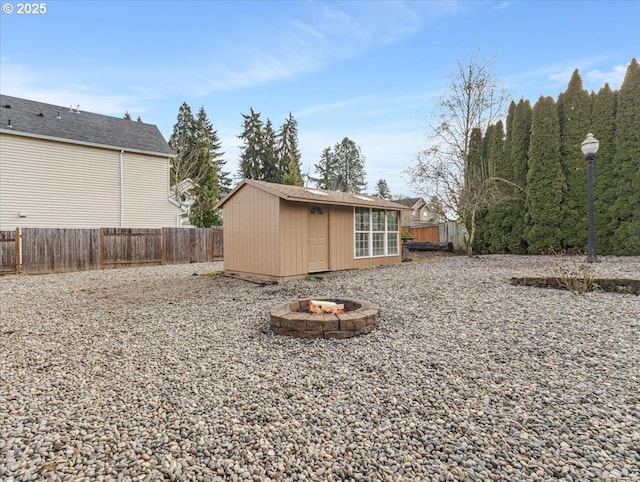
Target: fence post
18, 250
163, 240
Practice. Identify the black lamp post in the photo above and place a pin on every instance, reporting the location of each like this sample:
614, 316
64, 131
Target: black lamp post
589, 148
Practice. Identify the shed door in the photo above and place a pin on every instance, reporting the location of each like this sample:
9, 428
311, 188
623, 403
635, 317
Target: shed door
318, 243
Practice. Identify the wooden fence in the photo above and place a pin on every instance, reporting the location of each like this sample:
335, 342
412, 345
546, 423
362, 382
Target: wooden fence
423, 233
40, 250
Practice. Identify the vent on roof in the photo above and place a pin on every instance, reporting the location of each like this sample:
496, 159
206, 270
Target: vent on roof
9, 126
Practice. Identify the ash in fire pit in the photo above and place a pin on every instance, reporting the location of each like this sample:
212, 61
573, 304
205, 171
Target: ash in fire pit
324, 318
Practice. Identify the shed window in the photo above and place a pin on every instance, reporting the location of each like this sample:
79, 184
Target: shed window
316, 210
376, 232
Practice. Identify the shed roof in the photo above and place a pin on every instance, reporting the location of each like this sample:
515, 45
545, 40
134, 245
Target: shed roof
28, 117
312, 195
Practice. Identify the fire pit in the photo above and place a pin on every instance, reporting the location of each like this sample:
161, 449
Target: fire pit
324, 318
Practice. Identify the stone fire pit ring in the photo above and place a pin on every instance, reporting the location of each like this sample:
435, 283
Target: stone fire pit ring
294, 319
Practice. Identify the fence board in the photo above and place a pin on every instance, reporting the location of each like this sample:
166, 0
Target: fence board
10, 252
42, 250
46, 250
423, 233
130, 246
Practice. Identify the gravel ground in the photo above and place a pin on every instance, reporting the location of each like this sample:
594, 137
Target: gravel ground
156, 374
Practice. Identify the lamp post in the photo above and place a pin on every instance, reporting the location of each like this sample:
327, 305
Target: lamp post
589, 148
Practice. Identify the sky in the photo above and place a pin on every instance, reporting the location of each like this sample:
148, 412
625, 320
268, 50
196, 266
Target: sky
372, 71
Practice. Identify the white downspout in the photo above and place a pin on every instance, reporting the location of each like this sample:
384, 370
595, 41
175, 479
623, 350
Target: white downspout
122, 188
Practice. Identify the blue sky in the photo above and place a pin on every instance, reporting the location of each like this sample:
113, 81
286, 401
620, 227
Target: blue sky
370, 71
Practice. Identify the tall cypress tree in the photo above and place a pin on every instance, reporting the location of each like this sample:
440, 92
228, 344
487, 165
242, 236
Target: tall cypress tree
518, 138
477, 224
574, 110
603, 127
545, 180
499, 167
626, 207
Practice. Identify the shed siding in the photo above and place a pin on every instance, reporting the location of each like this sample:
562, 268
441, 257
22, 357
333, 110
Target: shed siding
146, 192
294, 218
57, 185
251, 233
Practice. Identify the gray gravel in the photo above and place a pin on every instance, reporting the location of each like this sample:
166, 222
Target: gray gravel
156, 374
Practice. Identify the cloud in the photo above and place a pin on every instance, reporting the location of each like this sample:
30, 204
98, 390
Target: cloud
614, 77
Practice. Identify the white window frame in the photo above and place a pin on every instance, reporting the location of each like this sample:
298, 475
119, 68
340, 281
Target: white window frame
369, 232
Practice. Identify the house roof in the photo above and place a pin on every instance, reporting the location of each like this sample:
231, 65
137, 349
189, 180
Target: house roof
312, 195
28, 117
410, 201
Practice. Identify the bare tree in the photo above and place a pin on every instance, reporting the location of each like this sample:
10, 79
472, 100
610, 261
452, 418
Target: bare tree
182, 167
442, 171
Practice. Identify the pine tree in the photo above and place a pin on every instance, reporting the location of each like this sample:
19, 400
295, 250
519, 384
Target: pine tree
288, 152
574, 110
182, 142
251, 154
545, 180
382, 189
603, 127
349, 162
626, 207
325, 171
207, 190
270, 165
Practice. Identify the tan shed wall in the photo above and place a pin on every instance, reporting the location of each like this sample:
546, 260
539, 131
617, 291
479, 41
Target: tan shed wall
251, 233
294, 219
60, 185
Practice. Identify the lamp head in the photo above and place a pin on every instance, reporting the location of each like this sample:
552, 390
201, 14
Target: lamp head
590, 145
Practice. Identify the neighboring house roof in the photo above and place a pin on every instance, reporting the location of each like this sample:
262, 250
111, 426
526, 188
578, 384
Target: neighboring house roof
410, 201
312, 195
37, 119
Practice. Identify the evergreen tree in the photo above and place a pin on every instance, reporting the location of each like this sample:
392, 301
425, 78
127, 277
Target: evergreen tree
545, 180
207, 190
603, 127
519, 136
341, 168
288, 152
476, 168
626, 207
251, 151
270, 165
498, 224
382, 189
326, 171
349, 162
574, 110
182, 142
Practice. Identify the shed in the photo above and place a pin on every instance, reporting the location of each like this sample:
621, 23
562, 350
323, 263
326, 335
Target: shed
280, 232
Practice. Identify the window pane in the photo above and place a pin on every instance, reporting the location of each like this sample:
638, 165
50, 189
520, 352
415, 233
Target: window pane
392, 243
377, 220
362, 245
362, 219
392, 220
378, 244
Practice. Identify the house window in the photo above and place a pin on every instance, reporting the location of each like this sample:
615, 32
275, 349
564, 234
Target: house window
376, 233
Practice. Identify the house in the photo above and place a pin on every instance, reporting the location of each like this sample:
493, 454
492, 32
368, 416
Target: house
181, 195
279, 232
419, 212
66, 168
